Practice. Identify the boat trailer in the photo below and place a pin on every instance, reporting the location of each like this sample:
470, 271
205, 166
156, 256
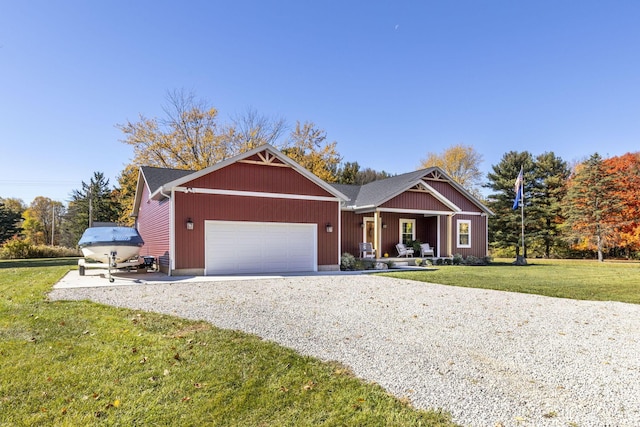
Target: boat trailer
141, 263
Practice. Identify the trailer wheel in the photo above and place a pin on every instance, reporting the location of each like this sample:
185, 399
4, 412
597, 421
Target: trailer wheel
81, 270
112, 280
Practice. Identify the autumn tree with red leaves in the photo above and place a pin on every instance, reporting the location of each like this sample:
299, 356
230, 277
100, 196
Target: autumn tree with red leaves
626, 171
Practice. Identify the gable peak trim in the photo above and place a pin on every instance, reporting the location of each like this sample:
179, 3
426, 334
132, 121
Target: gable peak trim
267, 158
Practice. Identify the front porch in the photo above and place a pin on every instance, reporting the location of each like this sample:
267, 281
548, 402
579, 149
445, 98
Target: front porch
402, 261
385, 229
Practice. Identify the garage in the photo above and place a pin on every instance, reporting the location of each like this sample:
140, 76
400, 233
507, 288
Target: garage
237, 247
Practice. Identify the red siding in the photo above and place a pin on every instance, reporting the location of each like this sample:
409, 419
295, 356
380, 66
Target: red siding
153, 226
259, 178
417, 200
201, 207
478, 236
448, 191
351, 233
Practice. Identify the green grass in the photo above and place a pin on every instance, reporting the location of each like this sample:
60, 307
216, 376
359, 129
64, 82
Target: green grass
66, 363
576, 279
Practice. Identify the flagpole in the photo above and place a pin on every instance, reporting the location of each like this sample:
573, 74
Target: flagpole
522, 212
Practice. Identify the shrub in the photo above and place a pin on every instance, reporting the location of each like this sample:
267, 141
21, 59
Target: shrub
418, 261
347, 262
16, 249
439, 261
472, 260
448, 261
415, 245
22, 249
44, 251
457, 259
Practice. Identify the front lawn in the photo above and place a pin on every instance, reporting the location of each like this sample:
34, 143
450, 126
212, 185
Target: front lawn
80, 363
576, 279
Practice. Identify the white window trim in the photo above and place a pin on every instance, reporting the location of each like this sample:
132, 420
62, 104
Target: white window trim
458, 223
413, 228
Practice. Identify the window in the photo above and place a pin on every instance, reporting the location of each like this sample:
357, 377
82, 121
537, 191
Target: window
464, 233
407, 231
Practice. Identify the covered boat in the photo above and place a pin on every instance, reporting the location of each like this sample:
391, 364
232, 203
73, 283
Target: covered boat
111, 245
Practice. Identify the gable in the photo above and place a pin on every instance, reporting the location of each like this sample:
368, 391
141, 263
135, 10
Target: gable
261, 170
454, 195
255, 175
417, 199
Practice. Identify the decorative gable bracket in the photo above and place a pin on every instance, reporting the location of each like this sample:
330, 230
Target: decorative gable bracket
265, 158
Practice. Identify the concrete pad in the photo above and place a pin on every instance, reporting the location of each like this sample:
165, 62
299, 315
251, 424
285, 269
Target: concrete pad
99, 277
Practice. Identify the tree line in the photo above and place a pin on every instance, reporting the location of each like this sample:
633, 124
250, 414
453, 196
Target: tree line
588, 209
591, 209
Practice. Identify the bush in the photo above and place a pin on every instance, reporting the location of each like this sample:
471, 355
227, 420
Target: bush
347, 262
439, 261
415, 245
16, 249
22, 249
364, 264
457, 259
448, 261
418, 261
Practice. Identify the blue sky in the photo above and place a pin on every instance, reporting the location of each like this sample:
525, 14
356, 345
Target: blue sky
389, 81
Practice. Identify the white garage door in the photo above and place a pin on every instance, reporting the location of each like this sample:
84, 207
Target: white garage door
233, 247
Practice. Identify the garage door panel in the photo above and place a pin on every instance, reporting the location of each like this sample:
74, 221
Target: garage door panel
247, 247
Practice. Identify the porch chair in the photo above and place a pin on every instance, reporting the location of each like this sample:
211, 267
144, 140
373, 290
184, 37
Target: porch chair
366, 250
426, 250
403, 250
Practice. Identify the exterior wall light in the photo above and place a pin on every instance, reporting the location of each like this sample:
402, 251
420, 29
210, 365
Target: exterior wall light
329, 228
189, 224
384, 225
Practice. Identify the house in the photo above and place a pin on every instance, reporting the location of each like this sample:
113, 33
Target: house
424, 205
262, 212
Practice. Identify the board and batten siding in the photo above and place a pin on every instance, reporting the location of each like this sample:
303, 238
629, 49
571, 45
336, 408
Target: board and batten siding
478, 236
259, 178
418, 200
190, 244
153, 225
451, 193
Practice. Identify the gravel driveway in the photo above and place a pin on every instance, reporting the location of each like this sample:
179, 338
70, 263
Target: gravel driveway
488, 357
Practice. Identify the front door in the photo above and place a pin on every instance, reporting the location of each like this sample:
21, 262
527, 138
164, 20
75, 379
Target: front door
369, 231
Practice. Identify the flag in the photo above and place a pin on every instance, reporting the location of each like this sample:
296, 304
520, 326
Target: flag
518, 189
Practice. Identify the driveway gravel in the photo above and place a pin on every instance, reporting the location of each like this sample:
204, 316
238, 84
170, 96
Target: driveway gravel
490, 358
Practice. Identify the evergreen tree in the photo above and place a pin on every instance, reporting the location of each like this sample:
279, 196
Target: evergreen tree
94, 202
592, 207
9, 222
350, 173
505, 227
545, 202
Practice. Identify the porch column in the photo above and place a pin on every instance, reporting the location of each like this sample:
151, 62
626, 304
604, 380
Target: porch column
449, 235
438, 240
376, 233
